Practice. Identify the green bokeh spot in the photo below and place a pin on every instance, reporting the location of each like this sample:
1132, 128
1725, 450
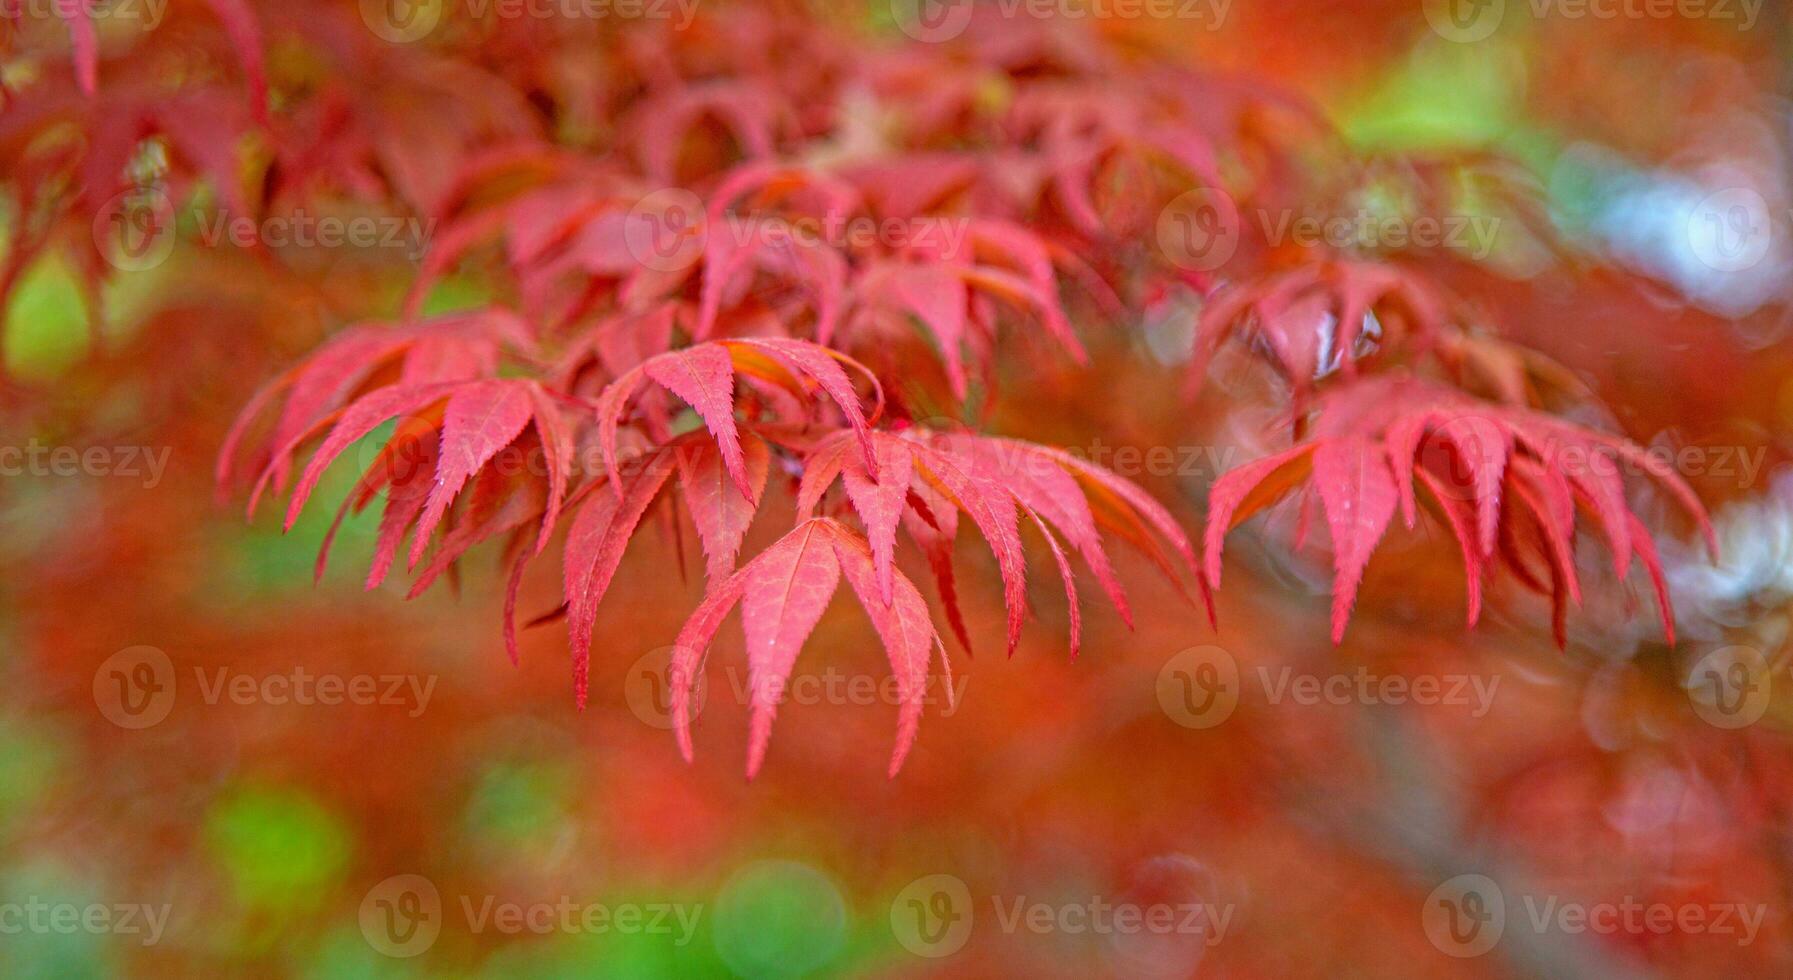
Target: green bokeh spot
517, 804
455, 294
1445, 95
43, 953
46, 322
280, 847
263, 560
779, 919
616, 955
346, 955
30, 758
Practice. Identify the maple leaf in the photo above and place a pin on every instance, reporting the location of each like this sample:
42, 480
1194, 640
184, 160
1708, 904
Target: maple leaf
458, 426
605, 523
564, 225
926, 478
752, 113
782, 593
703, 376
449, 434
84, 41
456, 347
955, 283
1508, 482
1089, 140
1310, 321
724, 349
786, 244
368, 140
913, 479
80, 162
238, 22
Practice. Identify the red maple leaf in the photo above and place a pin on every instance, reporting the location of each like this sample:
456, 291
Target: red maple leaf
1507, 480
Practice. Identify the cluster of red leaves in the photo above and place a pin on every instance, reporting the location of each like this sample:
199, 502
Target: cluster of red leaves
1506, 480
685, 294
